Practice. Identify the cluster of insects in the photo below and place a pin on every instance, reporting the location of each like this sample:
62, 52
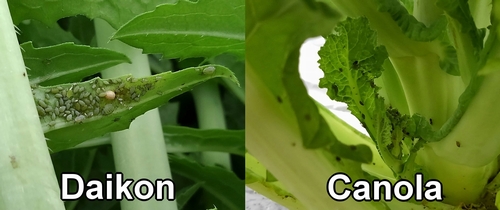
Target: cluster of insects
77, 102
97, 97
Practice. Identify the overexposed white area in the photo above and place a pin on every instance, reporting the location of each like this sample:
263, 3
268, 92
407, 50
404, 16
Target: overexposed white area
310, 74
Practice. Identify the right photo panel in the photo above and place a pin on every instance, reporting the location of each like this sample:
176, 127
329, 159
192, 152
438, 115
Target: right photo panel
372, 104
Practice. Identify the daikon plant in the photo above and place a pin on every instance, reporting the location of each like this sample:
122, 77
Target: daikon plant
422, 78
122, 87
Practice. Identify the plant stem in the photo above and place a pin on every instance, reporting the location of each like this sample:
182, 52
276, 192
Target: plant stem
211, 116
140, 151
27, 176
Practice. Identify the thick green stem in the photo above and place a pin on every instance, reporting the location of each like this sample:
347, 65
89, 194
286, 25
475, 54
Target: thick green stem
429, 91
140, 151
27, 177
461, 183
211, 116
256, 179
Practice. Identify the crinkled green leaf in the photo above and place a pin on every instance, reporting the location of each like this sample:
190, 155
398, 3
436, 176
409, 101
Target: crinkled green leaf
187, 29
93, 115
409, 4
115, 12
465, 36
351, 60
460, 11
63, 63
410, 26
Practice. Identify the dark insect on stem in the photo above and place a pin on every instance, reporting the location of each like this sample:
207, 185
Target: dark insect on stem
279, 99
430, 121
457, 143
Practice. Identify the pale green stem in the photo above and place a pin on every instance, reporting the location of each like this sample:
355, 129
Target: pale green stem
140, 151
27, 177
211, 116
426, 11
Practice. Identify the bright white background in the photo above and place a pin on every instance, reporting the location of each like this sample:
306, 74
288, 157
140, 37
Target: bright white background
310, 74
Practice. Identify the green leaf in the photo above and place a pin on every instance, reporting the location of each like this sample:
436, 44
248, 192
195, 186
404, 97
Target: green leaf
351, 60
77, 161
186, 139
97, 115
410, 26
238, 67
82, 28
219, 182
62, 63
42, 35
187, 29
187, 193
115, 12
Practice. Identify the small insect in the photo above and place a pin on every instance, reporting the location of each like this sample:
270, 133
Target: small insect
430, 121
13, 161
42, 103
79, 119
108, 109
69, 117
457, 143
208, 70
40, 110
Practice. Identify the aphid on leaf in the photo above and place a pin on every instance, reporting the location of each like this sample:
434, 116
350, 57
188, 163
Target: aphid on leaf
208, 70
42, 103
79, 119
355, 65
108, 109
430, 121
13, 161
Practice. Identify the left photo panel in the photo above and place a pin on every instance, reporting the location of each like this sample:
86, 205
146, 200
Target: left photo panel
122, 104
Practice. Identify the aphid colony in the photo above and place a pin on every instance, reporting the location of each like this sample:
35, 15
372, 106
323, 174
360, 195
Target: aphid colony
77, 102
